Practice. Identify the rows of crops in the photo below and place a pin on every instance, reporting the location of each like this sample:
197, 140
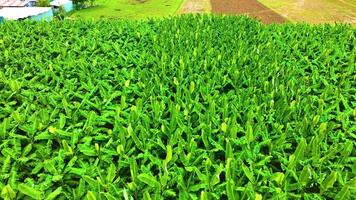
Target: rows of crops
189, 108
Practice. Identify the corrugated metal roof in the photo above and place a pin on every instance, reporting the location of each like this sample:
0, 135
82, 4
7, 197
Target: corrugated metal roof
22, 13
13, 3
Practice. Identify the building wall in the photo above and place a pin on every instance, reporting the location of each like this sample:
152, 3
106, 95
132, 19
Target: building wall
47, 16
68, 7
31, 4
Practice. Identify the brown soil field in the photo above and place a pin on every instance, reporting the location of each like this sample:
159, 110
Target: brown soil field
252, 8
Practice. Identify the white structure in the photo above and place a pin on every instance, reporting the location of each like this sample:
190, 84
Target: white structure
14, 3
35, 13
66, 4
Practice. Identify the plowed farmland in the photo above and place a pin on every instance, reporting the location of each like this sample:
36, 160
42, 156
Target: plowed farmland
252, 8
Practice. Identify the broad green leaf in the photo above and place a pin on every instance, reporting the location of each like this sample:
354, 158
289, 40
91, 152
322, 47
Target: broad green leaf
203, 195
133, 169
129, 130
29, 191
54, 194
344, 193
224, 127
126, 196
49, 166
67, 148
329, 181
298, 154
191, 87
249, 134
62, 121
258, 197
305, 175
92, 182
278, 177
120, 149
322, 131
80, 190
149, 180
230, 189
248, 173
168, 154
348, 147
146, 196
90, 196
109, 196
111, 173
27, 150
7, 192
197, 187
229, 151
6, 165
127, 83
44, 136
87, 150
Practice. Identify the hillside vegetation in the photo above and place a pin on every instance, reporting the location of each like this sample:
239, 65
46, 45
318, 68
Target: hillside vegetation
191, 107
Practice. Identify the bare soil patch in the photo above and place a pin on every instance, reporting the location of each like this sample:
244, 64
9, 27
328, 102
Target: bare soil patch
252, 8
195, 6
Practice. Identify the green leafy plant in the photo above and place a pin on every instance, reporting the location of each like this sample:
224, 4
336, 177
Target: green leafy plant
190, 107
60, 13
43, 3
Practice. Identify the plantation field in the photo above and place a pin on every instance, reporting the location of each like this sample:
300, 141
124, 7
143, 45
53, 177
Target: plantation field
315, 11
190, 107
129, 9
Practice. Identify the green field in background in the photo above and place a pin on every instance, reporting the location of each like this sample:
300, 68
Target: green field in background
134, 9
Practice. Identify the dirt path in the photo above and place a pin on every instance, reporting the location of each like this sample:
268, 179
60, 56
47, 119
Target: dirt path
195, 6
250, 7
